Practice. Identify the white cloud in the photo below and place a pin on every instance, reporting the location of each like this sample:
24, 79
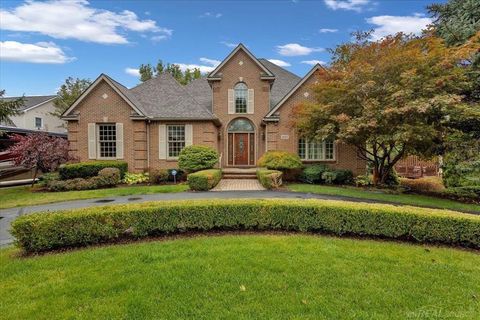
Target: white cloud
326, 30
229, 44
76, 19
294, 49
159, 38
354, 5
211, 62
41, 52
133, 72
386, 25
313, 62
280, 63
211, 15
203, 69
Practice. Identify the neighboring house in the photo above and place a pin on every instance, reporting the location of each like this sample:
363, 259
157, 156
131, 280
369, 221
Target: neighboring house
242, 109
35, 114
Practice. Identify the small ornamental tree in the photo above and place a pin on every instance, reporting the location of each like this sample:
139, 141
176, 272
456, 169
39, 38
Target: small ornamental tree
39, 151
391, 98
196, 158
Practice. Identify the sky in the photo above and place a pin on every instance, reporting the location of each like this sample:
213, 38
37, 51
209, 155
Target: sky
44, 42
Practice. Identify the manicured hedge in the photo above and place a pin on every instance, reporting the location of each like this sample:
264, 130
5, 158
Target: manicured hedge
269, 179
81, 227
204, 180
90, 168
195, 158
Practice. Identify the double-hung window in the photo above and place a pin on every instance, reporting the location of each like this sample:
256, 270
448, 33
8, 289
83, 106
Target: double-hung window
316, 150
107, 140
175, 140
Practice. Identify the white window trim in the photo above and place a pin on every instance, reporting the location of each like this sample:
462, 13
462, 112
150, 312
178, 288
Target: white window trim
235, 98
167, 141
97, 138
35, 122
324, 149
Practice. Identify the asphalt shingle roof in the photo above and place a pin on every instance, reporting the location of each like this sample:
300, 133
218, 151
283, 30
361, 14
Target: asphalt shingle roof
284, 82
164, 97
30, 101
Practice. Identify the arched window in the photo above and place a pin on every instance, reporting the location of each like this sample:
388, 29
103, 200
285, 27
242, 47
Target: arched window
241, 125
241, 95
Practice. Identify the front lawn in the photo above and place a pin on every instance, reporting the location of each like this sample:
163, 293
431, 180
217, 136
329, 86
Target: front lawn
408, 199
243, 277
24, 196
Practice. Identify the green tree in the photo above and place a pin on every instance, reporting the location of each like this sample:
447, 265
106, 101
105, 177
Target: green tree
146, 72
9, 107
456, 21
68, 93
390, 98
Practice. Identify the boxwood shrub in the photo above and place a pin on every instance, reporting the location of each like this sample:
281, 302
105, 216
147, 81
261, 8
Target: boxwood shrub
90, 168
80, 227
195, 158
269, 179
204, 180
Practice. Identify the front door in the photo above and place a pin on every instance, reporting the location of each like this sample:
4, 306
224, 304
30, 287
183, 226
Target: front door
241, 147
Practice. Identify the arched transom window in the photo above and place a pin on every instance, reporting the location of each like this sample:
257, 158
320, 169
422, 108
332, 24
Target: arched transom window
241, 96
241, 125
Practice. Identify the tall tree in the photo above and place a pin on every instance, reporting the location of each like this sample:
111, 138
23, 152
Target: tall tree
9, 108
390, 98
456, 21
68, 93
146, 72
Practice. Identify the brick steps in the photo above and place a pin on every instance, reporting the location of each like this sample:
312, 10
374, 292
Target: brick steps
239, 173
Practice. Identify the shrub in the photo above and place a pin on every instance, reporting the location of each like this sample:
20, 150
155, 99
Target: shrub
136, 178
280, 160
269, 179
340, 176
204, 180
464, 194
181, 175
90, 168
363, 181
46, 178
425, 184
158, 176
392, 178
108, 177
313, 173
196, 158
47, 231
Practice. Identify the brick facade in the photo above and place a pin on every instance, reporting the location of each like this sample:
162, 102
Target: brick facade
141, 135
241, 68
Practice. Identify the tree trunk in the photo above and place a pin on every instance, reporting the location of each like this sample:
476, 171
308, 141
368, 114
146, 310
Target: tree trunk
34, 175
376, 175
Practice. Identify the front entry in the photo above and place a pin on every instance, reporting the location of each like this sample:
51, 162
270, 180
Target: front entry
241, 143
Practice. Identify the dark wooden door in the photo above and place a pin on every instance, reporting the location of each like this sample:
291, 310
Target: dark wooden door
241, 147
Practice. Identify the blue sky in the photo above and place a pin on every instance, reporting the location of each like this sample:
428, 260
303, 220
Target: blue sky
42, 43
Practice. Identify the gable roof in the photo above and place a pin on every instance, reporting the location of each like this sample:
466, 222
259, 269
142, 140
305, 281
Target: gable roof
31, 102
214, 74
120, 89
293, 90
284, 82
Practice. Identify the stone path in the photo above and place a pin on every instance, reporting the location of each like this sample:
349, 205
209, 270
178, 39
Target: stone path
238, 185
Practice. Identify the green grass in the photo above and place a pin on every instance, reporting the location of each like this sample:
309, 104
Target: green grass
408, 199
243, 277
23, 196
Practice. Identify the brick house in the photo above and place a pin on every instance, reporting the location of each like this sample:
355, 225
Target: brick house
242, 109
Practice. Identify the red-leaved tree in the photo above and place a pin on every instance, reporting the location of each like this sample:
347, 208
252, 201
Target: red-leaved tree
39, 151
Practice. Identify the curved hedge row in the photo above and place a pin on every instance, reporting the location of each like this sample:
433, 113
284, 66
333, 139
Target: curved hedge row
48, 231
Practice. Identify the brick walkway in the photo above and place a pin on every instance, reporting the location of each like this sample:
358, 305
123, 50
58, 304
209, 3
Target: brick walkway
238, 185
